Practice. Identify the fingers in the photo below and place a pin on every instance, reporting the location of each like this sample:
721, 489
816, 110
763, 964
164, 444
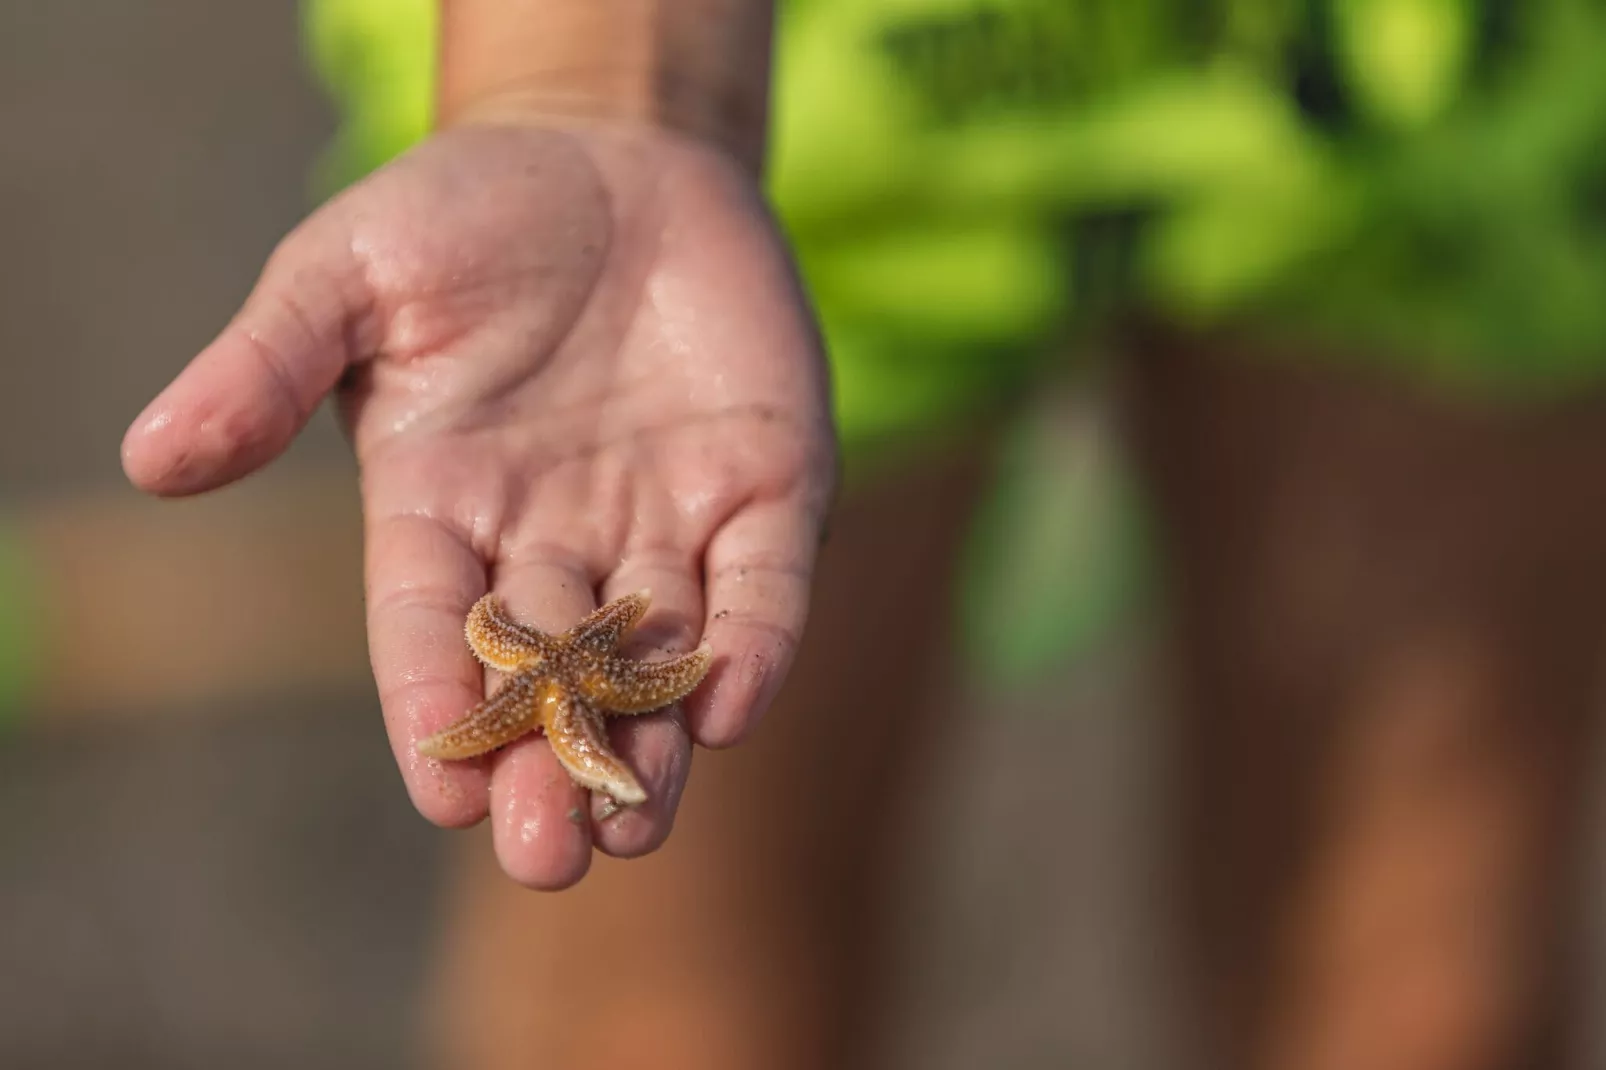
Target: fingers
422, 577
655, 746
240, 402
758, 570
540, 819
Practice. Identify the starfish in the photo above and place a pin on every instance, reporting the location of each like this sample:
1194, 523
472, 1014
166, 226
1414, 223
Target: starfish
565, 685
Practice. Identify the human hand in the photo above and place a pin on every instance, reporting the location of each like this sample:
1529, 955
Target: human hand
573, 363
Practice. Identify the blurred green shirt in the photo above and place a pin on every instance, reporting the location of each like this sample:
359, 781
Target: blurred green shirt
974, 186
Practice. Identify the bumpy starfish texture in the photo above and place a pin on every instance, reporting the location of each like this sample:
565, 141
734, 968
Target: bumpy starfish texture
566, 685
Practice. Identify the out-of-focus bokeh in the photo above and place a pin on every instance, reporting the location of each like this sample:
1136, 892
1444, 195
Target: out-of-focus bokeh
1287, 321
205, 856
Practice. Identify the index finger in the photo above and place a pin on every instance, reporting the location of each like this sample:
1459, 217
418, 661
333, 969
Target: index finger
422, 578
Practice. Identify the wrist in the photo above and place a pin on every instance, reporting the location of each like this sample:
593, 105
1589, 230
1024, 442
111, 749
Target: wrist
695, 68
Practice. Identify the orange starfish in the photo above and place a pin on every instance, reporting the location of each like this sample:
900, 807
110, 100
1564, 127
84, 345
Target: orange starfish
565, 685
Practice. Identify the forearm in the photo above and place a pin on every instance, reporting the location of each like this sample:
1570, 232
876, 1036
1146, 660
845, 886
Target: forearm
698, 67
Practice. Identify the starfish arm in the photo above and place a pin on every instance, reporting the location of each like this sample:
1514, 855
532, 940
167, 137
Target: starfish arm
580, 741
601, 631
620, 686
512, 712
499, 641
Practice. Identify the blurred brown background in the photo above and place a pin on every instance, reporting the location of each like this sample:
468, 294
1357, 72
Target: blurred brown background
190, 887
248, 886
198, 887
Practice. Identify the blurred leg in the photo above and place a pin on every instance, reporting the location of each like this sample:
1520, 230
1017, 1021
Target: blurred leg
751, 939
1388, 623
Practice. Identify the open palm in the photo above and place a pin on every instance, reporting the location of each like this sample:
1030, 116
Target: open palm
573, 364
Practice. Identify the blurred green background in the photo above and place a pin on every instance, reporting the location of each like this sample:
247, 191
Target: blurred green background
982, 192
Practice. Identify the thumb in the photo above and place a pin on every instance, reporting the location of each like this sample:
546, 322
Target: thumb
241, 401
